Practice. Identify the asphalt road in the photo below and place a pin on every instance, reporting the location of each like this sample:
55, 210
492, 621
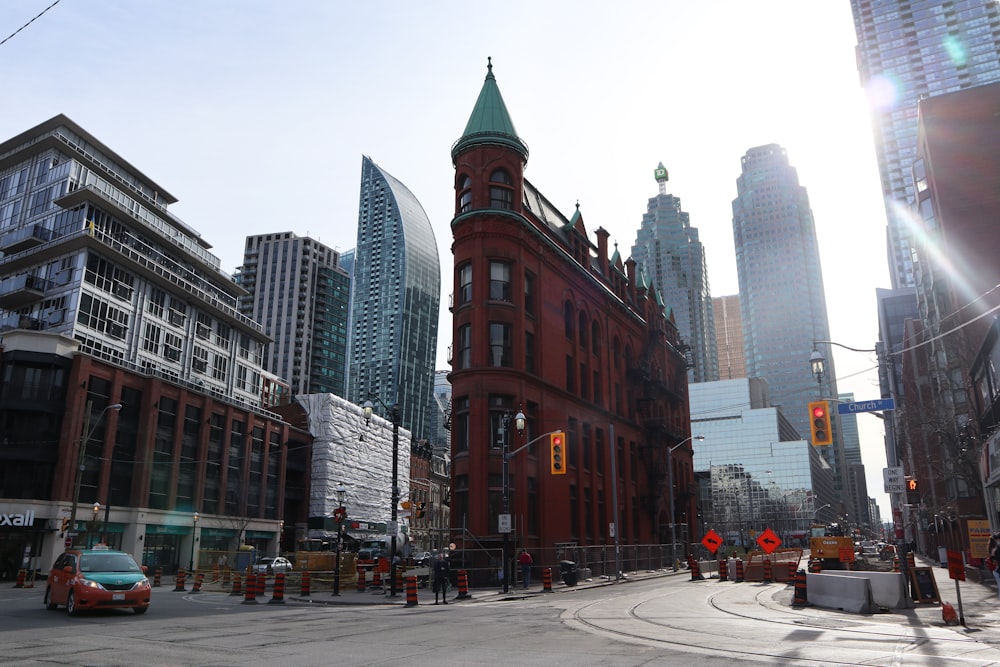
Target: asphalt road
659, 620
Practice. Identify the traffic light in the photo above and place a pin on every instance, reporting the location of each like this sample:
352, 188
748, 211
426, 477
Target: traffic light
819, 423
65, 526
911, 485
557, 449
912, 492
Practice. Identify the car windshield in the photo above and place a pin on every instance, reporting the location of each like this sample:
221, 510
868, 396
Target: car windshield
107, 563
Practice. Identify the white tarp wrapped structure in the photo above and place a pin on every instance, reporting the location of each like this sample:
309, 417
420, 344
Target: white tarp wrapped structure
347, 450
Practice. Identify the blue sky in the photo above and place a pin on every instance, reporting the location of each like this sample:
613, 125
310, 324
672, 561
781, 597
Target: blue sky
255, 115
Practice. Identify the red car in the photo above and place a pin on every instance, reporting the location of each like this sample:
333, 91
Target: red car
97, 578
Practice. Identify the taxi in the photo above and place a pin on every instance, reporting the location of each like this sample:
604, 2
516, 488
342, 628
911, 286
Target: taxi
97, 578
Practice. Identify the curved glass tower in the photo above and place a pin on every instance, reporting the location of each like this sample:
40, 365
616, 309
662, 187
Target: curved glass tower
395, 302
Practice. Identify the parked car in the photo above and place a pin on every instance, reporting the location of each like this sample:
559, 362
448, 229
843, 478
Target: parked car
272, 565
97, 578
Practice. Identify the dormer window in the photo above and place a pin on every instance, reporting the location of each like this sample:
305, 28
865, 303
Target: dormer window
465, 195
501, 190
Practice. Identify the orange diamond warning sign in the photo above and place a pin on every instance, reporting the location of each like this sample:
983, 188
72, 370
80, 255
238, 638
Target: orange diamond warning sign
712, 541
768, 541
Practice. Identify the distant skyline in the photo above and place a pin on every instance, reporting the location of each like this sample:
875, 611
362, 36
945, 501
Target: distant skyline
254, 115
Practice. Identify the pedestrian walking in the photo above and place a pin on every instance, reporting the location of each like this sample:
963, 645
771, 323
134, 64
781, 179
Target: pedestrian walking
441, 571
526, 561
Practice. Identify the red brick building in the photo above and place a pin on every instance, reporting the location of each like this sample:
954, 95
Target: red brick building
548, 323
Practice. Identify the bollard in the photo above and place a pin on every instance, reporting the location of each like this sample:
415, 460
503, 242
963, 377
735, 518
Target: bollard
800, 597
156, 577
696, 574
261, 584
547, 580
463, 585
20, 579
199, 578
791, 572
237, 584
361, 580
723, 569
278, 590
250, 597
768, 572
411, 592
306, 584
739, 570
179, 580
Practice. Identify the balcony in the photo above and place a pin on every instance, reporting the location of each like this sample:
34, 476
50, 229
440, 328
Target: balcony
22, 290
24, 238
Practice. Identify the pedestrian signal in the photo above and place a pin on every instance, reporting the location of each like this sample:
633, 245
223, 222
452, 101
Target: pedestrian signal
65, 526
557, 449
819, 423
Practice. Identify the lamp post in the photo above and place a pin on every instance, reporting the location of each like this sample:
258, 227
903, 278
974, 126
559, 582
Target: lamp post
505, 523
93, 525
670, 475
194, 530
339, 515
367, 409
81, 456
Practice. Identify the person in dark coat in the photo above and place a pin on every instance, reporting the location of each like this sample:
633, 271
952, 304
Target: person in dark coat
441, 570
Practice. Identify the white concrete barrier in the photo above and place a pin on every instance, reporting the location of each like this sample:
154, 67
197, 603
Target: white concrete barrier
836, 592
889, 589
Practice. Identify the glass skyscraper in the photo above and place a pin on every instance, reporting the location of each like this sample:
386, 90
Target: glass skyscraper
781, 289
909, 50
395, 300
668, 250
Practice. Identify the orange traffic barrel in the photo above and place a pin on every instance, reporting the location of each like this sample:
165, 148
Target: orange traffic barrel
411, 592
251, 593
463, 585
306, 584
278, 592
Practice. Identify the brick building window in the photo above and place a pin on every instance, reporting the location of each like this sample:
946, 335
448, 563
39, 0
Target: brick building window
501, 192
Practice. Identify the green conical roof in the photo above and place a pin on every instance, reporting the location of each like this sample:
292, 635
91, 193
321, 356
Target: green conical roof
490, 123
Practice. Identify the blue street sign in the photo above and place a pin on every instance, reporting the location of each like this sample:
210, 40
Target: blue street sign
878, 405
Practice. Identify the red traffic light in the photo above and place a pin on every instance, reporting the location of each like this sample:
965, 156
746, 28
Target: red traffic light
819, 411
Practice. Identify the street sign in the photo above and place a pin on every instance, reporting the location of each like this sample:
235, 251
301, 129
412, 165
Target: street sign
504, 523
611, 529
712, 541
956, 568
768, 541
878, 405
68, 542
894, 480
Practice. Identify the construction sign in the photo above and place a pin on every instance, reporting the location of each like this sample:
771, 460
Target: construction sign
712, 541
768, 541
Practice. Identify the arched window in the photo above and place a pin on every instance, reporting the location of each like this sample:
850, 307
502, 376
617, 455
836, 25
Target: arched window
568, 318
583, 330
501, 192
595, 338
465, 195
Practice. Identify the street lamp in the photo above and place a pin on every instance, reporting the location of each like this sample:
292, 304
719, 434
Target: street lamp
93, 525
194, 529
367, 409
339, 515
519, 421
81, 456
670, 475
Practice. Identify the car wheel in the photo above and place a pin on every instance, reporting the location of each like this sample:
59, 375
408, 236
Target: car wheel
141, 610
49, 604
71, 604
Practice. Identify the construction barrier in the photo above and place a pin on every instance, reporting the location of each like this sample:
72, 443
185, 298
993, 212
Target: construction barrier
895, 564
463, 585
199, 578
411, 592
179, 580
237, 584
816, 566
261, 584
376, 579
792, 569
768, 572
723, 569
19, 583
278, 591
911, 561
250, 597
306, 584
156, 577
800, 597
547, 580
739, 570
361, 580
226, 576
696, 574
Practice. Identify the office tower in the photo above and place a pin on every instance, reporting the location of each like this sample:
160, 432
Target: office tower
442, 419
729, 337
131, 377
576, 342
395, 297
668, 251
909, 50
299, 293
781, 289
762, 474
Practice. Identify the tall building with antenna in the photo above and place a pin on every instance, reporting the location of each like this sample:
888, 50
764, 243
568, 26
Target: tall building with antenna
669, 252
